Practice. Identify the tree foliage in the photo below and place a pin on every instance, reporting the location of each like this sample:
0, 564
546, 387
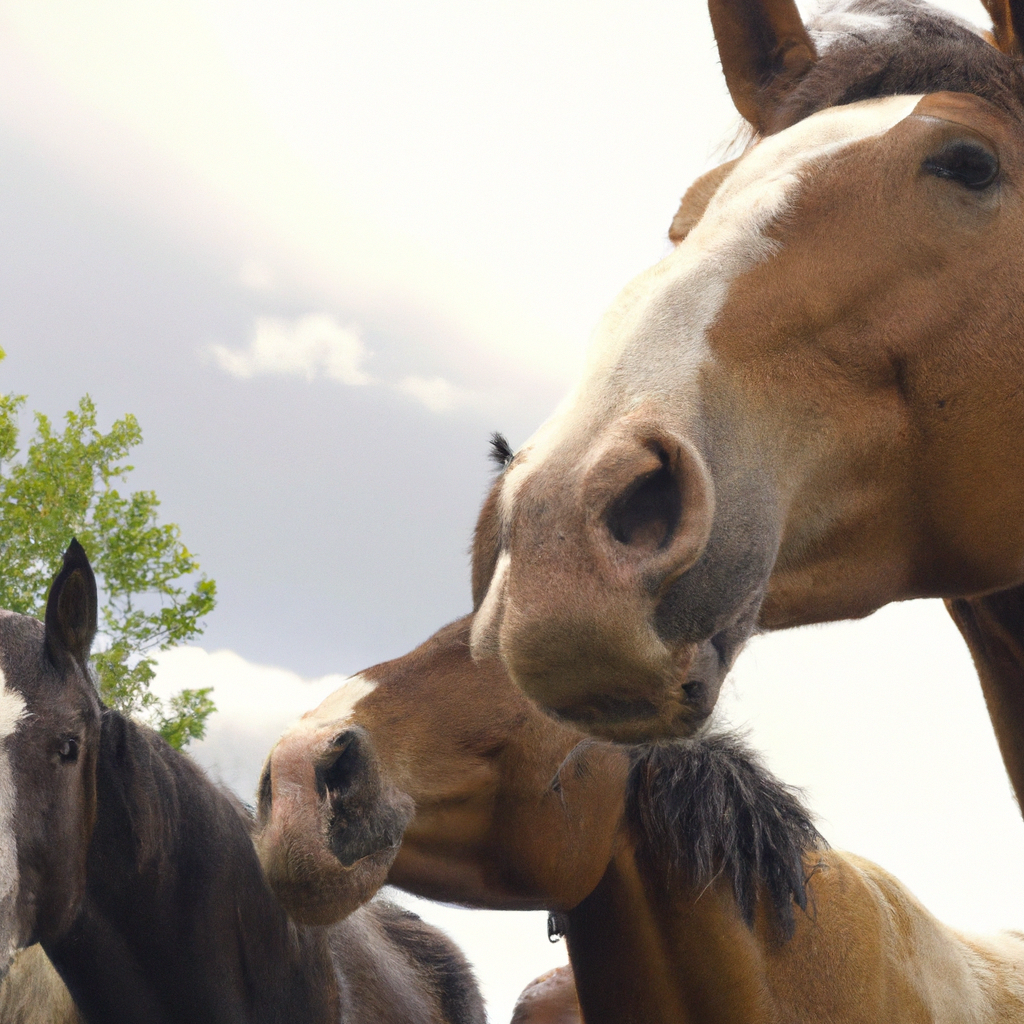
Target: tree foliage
64, 485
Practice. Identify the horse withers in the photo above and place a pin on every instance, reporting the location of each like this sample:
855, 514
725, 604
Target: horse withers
139, 877
811, 406
690, 884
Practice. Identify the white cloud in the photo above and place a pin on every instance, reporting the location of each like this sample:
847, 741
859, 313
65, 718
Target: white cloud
255, 704
316, 345
436, 393
310, 346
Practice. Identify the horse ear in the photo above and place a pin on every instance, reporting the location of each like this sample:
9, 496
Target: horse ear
764, 49
71, 609
1007, 24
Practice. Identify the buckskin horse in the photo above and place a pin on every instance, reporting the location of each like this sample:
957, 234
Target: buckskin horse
812, 406
139, 877
690, 884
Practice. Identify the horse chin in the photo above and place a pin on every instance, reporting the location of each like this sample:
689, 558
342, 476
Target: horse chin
314, 887
676, 707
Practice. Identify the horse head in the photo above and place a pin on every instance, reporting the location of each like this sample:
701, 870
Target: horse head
445, 758
807, 409
49, 734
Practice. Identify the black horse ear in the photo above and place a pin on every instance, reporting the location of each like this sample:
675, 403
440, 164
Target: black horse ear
71, 609
1007, 25
765, 50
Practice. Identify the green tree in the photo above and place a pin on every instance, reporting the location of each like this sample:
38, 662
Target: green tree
65, 485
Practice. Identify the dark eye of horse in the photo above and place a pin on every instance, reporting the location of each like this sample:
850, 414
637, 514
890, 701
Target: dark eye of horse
967, 163
68, 752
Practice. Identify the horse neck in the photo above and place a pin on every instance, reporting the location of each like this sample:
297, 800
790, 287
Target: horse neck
644, 950
178, 923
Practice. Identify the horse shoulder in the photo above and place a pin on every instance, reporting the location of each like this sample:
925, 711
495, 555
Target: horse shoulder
549, 999
998, 963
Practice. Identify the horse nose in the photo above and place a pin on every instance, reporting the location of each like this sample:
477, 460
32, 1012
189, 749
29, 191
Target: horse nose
649, 504
592, 551
326, 838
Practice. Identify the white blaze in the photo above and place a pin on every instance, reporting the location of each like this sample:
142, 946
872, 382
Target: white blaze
483, 635
337, 709
652, 342
12, 711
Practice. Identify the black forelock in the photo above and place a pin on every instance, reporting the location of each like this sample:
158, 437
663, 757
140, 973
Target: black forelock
922, 49
708, 807
501, 451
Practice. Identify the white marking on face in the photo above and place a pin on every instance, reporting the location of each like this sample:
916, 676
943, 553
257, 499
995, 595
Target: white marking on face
651, 344
12, 711
483, 636
337, 709
12, 708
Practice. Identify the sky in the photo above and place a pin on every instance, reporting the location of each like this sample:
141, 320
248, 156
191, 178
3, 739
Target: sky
322, 250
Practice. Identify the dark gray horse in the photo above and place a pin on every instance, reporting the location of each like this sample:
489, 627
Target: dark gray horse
139, 878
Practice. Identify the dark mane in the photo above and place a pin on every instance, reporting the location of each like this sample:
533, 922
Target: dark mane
438, 960
920, 49
709, 807
178, 921
501, 451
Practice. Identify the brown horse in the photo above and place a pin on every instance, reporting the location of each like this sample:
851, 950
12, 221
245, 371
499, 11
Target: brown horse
810, 407
690, 884
139, 878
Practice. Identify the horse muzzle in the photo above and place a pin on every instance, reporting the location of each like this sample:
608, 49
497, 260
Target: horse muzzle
329, 825
590, 552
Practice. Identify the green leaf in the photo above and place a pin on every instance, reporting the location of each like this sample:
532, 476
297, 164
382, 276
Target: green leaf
153, 595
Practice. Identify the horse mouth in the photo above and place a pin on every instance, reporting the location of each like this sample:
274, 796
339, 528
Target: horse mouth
629, 720
606, 710
383, 856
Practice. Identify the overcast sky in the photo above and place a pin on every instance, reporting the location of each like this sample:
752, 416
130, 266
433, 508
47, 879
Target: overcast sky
322, 250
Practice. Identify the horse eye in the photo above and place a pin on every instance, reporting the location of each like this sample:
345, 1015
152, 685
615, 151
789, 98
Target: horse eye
966, 163
68, 752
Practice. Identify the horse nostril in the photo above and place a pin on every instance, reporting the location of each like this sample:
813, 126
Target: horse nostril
647, 514
694, 691
339, 765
